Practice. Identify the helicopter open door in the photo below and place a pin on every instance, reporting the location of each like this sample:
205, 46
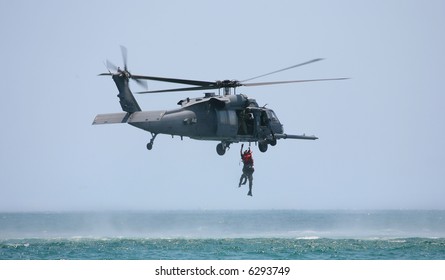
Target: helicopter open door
246, 122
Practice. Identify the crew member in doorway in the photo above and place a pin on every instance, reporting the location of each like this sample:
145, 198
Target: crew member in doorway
248, 169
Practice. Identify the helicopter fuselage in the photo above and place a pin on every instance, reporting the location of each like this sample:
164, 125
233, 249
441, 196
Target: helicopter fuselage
228, 118
233, 118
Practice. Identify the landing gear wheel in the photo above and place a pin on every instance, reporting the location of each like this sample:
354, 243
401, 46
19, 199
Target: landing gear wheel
220, 149
273, 142
149, 146
262, 146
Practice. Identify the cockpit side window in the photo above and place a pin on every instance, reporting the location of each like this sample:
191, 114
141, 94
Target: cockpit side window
271, 115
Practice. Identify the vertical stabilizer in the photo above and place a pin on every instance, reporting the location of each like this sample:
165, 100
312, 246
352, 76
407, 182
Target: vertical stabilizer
126, 98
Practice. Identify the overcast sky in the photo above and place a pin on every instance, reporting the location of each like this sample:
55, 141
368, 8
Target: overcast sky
382, 132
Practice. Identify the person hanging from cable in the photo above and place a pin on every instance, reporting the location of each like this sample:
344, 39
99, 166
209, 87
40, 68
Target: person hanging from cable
248, 169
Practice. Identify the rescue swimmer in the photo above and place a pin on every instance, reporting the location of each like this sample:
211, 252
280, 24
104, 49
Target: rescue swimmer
248, 169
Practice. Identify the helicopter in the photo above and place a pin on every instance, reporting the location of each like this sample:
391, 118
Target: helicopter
228, 117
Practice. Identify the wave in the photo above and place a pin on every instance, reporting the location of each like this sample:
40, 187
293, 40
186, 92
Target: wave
307, 247
291, 224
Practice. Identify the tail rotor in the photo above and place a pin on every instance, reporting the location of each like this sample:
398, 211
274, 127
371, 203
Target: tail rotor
114, 70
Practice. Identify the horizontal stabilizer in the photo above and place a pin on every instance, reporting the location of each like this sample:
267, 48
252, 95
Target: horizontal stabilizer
289, 136
111, 118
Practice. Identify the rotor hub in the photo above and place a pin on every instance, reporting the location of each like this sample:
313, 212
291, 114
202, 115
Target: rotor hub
228, 84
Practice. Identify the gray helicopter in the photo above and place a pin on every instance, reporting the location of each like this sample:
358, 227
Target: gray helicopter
227, 117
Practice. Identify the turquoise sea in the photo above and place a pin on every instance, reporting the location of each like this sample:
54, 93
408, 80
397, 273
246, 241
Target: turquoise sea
227, 235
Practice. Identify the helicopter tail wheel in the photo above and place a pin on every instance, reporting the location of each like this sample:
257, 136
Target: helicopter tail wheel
262, 146
150, 144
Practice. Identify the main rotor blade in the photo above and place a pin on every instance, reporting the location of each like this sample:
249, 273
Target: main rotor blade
173, 80
284, 69
288, 82
177, 89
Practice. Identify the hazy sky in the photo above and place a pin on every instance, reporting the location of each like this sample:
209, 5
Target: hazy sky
382, 133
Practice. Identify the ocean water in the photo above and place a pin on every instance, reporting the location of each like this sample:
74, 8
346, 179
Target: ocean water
224, 235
